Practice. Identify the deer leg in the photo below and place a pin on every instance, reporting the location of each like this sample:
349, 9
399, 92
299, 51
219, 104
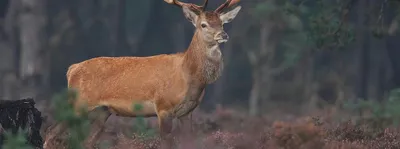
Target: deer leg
186, 137
165, 126
190, 101
187, 121
98, 118
54, 135
185, 125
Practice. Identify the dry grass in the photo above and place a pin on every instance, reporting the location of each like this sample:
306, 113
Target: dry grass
227, 129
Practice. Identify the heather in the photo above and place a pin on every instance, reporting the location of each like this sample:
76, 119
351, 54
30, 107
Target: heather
297, 73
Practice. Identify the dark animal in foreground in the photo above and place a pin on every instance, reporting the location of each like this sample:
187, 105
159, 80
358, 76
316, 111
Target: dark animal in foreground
21, 114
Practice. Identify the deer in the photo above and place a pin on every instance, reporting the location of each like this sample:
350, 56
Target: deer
167, 86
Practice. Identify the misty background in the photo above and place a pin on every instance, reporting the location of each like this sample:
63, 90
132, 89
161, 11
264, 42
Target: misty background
288, 55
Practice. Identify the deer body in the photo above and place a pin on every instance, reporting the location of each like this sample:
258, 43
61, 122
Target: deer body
118, 83
154, 81
167, 86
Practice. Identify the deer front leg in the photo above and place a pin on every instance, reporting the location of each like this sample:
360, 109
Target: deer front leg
190, 102
186, 136
165, 127
186, 124
183, 112
187, 121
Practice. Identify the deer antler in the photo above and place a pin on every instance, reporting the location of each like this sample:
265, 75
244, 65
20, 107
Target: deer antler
227, 4
190, 5
205, 5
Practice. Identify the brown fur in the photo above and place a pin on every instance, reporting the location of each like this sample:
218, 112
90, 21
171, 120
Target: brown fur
119, 82
167, 85
212, 19
159, 82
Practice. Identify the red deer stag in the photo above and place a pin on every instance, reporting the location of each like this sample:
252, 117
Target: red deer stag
168, 85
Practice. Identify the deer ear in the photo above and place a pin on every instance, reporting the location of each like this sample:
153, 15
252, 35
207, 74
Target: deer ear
230, 15
190, 15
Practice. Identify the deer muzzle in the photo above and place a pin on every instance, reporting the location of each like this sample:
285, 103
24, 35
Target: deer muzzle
221, 37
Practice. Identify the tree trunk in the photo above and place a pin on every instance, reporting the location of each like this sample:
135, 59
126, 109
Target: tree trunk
255, 60
392, 53
32, 23
268, 70
8, 54
8, 78
361, 55
309, 84
254, 109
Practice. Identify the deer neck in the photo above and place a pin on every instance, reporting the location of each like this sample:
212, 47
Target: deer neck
203, 59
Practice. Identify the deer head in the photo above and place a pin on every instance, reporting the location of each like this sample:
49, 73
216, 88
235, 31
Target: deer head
209, 24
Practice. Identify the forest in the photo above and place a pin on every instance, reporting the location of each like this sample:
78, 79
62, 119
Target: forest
297, 73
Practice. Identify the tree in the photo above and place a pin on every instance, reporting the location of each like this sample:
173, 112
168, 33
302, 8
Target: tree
8, 56
34, 58
274, 24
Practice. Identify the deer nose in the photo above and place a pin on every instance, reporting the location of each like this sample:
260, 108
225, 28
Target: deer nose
222, 37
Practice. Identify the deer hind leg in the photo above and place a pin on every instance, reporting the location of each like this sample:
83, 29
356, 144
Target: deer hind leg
55, 135
165, 126
98, 117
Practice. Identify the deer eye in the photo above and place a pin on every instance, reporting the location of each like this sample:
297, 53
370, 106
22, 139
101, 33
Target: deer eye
203, 25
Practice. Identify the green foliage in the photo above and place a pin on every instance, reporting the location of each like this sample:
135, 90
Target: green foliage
140, 125
78, 125
384, 113
319, 25
324, 24
16, 141
285, 19
262, 9
291, 8
105, 145
327, 27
